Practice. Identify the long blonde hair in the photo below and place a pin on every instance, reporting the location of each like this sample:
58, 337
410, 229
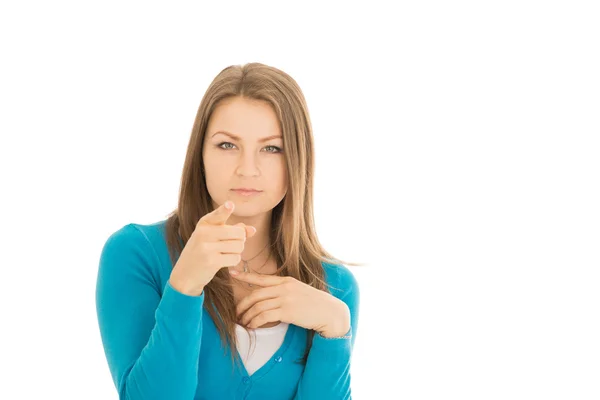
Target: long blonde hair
293, 237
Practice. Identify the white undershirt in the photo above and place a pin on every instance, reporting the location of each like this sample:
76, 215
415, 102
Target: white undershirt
265, 342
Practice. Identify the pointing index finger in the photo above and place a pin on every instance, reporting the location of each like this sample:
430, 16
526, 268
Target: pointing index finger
219, 215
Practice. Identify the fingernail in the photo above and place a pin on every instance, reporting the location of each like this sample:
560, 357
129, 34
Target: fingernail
233, 272
228, 205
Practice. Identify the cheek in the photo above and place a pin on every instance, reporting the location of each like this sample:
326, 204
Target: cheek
216, 163
280, 175
276, 167
214, 171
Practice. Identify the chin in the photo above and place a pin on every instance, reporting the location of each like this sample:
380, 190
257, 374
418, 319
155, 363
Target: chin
245, 209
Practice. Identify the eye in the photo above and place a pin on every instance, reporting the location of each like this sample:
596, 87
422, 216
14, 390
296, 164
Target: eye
277, 149
221, 144
273, 149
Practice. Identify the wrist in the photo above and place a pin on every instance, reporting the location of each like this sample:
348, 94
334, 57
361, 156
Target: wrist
335, 335
340, 326
182, 288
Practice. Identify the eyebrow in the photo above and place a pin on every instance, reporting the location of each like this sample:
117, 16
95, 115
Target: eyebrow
238, 138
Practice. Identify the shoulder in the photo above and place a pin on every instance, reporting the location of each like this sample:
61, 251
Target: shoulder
123, 237
340, 280
133, 247
136, 233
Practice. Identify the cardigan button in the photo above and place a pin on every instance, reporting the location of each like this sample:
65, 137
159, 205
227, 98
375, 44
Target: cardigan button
278, 359
246, 380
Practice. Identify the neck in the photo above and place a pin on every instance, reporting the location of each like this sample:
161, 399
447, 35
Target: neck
256, 248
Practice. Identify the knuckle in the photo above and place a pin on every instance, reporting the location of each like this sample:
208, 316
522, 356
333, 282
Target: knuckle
223, 232
211, 260
240, 232
288, 282
201, 231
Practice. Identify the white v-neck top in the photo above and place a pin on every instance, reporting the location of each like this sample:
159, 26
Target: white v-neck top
265, 342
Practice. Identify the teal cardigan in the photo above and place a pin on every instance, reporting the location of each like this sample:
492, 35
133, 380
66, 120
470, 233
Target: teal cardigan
163, 344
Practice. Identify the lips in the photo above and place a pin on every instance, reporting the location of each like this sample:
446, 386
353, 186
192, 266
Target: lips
246, 192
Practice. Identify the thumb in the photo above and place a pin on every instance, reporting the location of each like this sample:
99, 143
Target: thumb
250, 230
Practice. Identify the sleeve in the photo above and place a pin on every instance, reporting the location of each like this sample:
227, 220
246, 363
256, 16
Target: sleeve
151, 343
327, 371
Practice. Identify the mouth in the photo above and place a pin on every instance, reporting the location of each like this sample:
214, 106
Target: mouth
246, 191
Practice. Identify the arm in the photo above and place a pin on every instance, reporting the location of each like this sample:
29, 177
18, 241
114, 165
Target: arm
327, 371
152, 344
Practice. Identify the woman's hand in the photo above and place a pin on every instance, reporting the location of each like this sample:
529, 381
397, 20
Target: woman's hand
288, 300
213, 245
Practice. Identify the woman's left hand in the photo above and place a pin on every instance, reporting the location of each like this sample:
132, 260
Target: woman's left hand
286, 299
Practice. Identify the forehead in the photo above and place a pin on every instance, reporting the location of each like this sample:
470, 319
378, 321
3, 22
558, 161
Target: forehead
249, 119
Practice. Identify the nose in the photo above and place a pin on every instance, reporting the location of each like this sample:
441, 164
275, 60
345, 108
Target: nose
248, 164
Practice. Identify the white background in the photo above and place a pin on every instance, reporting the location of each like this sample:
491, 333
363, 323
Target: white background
457, 154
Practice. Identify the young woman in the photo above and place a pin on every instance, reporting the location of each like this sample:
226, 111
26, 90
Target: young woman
232, 296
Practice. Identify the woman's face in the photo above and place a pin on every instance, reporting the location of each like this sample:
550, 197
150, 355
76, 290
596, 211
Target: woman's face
243, 148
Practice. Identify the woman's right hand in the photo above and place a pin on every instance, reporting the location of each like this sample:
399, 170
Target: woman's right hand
212, 246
